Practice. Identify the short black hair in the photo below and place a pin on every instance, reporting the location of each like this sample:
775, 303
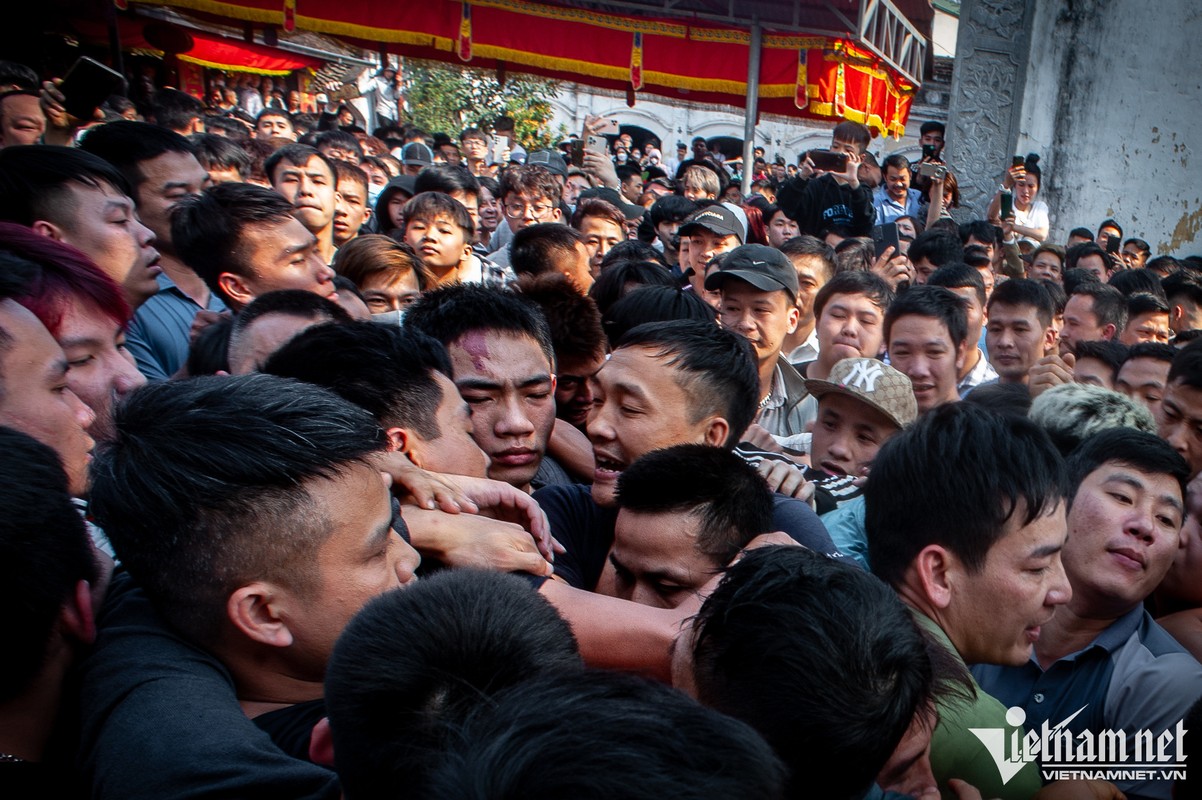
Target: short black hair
620, 279
1140, 245
447, 179
1183, 283
414, 663
206, 229
1110, 223
126, 144
1073, 278
726, 494
174, 109
538, 248
1166, 264
631, 250
19, 75
44, 552
1158, 351
959, 275
603, 734
982, 231
1145, 303
221, 152
823, 659
203, 474
1143, 451
1187, 365
34, 179
1080, 232
1109, 304
1074, 254
429, 206
1112, 354
209, 352
913, 500
382, 369
938, 247
935, 302
671, 208
1132, 281
715, 367
1025, 292
338, 138
868, 284
806, 246
449, 312
654, 304
930, 126
574, 320
854, 132
1056, 292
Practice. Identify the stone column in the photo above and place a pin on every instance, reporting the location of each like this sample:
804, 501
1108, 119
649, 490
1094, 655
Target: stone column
993, 49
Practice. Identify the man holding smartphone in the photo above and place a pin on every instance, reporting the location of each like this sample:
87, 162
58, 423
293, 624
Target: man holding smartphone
894, 198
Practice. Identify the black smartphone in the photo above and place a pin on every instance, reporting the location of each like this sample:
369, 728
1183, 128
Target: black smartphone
1018, 161
1007, 203
884, 237
829, 161
1113, 243
577, 152
929, 150
88, 84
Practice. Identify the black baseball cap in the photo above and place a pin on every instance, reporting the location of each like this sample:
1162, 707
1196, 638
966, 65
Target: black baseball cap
765, 268
716, 218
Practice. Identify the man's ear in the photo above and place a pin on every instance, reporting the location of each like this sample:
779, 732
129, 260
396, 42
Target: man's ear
77, 616
556, 214
794, 318
933, 565
254, 611
1049, 340
399, 440
1109, 332
717, 430
48, 229
236, 288
962, 354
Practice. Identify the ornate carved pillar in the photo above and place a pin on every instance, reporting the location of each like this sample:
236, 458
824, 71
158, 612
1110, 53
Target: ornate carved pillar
992, 52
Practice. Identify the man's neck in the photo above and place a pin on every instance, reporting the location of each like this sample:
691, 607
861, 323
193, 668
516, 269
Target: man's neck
818, 370
767, 371
27, 721
265, 683
1072, 628
325, 243
185, 279
672, 257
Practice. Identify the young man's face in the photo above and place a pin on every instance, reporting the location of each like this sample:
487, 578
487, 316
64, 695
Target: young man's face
763, 318
851, 326
574, 390
453, 451
21, 120
704, 244
1124, 532
383, 293
101, 371
440, 242
847, 435
934, 138
474, 148
1081, 324
994, 615
812, 275
1150, 327
37, 398
1106, 234
350, 211
632, 187
843, 146
640, 406
1046, 267
897, 182
572, 188
1093, 372
310, 189
1094, 263
922, 349
1181, 583
1016, 340
507, 382
522, 210
361, 559
975, 312
167, 179
1144, 379
781, 229
104, 226
272, 126
1134, 257
1180, 422
654, 559
667, 232
281, 255
600, 235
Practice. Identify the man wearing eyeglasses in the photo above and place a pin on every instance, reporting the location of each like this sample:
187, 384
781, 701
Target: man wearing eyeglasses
529, 195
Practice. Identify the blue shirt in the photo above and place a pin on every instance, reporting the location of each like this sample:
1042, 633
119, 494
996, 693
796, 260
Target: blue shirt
1133, 676
887, 209
158, 334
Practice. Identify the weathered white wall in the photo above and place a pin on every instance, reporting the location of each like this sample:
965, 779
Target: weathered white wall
1113, 103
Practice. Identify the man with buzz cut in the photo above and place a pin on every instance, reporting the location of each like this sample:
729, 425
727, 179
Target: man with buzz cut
926, 333
975, 553
1102, 663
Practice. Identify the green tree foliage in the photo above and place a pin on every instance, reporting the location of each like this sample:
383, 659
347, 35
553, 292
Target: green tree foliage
448, 98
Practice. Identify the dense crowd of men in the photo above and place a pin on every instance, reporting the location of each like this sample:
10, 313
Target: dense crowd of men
397, 465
